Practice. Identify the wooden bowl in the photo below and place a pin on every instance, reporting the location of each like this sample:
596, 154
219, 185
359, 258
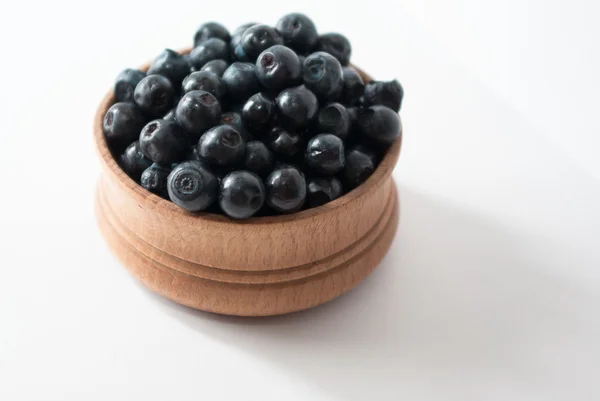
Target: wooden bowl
256, 267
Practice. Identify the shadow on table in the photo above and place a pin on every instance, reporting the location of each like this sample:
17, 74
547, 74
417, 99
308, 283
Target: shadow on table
457, 303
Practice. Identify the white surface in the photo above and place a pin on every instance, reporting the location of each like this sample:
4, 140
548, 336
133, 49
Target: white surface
490, 292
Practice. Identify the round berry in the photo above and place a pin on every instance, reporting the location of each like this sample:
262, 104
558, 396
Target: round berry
258, 158
222, 146
258, 112
298, 32
192, 186
284, 142
163, 141
211, 30
133, 161
154, 95
236, 38
217, 67
360, 164
235, 120
286, 189
241, 81
297, 107
322, 74
325, 154
323, 190
170, 115
278, 67
353, 86
209, 50
242, 194
380, 124
171, 65
258, 38
206, 81
334, 119
122, 124
154, 179
387, 94
198, 111
126, 82
337, 45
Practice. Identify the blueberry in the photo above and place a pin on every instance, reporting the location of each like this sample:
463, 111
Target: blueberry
297, 107
192, 186
133, 161
258, 158
241, 81
163, 141
285, 143
383, 93
353, 86
154, 95
235, 120
286, 189
170, 115
209, 50
236, 38
171, 65
222, 146
322, 74
278, 67
206, 81
217, 67
323, 190
298, 32
337, 45
258, 112
122, 124
154, 179
380, 124
258, 38
242, 194
335, 119
198, 111
126, 82
325, 154
211, 30
360, 164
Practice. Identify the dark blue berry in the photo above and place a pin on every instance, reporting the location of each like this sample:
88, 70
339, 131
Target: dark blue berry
133, 161
211, 30
217, 67
286, 189
236, 38
122, 124
163, 141
384, 93
285, 143
154, 95
325, 154
171, 115
126, 82
258, 113
209, 50
198, 111
298, 32
334, 119
278, 67
154, 179
171, 65
322, 74
360, 164
242, 194
235, 120
258, 158
258, 38
380, 124
297, 107
192, 186
206, 81
241, 81
353, 86
337, 45
323, 190
222, 146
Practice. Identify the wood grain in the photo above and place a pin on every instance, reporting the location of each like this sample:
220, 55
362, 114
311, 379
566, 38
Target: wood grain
260, 266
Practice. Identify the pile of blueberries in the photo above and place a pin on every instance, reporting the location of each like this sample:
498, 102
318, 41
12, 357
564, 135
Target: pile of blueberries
263, 121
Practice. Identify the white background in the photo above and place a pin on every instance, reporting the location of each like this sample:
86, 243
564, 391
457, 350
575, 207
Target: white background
491, 290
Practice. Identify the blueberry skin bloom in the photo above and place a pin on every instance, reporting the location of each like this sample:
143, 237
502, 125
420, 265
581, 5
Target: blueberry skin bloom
297, 107
217, 67
171, 65
154, 179
337, 45
222, 146
154, 95
258, 38
206, 81
278, 67
163, 141
133, 161
209, 50
286, 189
258, 158
354, 86
241, 81
192, 186
360, 164
122, 124
242, 194
323, 190
258, 112
334, 119
126, 82
387, 94
285, 143
322, 74
211, 30
325, 154
298, 32
380, 124
198, 111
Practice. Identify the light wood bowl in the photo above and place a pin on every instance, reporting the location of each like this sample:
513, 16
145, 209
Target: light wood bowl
256, 267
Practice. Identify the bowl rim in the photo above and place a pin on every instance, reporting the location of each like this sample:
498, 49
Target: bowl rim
142, 195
